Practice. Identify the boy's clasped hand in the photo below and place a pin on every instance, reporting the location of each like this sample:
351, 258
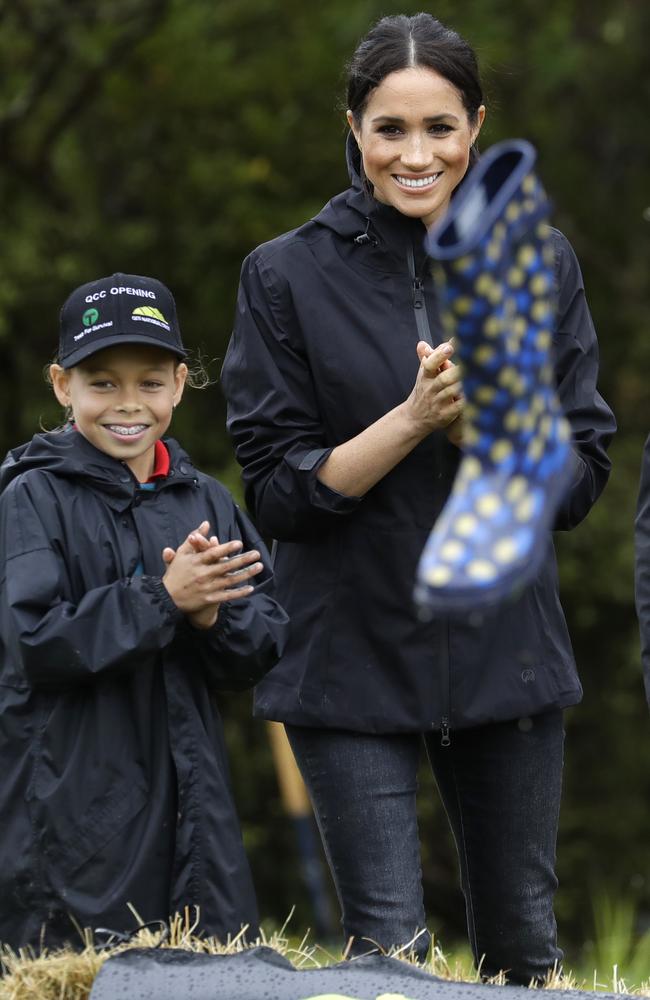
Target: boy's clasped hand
202, 573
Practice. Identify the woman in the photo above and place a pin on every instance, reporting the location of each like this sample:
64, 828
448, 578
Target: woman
346, 424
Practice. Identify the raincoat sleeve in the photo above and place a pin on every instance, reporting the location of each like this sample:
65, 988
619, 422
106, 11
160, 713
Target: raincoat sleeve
642, 565
576, 366
250, 633
49, 641
273, 416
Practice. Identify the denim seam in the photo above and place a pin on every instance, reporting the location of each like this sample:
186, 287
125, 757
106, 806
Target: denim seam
311, 781
470, 898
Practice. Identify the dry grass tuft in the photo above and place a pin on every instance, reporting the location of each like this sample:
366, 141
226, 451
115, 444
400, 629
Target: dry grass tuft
69, 975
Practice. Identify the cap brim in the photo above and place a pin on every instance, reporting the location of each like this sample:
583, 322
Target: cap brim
89, 349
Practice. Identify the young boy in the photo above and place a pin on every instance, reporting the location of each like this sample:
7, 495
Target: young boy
120, 617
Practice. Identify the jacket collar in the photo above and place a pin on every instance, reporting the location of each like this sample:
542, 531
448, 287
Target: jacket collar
381, 237
70, 455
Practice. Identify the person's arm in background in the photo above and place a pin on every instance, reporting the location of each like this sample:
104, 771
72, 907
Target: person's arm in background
575, 355
642, 565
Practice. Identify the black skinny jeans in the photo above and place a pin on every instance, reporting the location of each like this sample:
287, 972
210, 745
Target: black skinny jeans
500, 785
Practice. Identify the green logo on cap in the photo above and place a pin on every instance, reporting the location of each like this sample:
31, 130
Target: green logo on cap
89, 317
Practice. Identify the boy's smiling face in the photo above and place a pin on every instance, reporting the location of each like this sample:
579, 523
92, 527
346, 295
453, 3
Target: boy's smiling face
122, 399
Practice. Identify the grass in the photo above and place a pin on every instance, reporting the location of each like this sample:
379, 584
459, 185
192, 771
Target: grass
69, 975
616, 945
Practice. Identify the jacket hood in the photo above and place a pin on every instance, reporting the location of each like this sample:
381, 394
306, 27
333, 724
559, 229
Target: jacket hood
347, 214
353, 161
357, 217
68, 453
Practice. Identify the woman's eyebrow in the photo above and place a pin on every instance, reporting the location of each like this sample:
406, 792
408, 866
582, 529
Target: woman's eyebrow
398, 120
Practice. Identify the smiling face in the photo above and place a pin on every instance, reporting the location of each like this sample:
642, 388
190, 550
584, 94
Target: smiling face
122, 400
415, 136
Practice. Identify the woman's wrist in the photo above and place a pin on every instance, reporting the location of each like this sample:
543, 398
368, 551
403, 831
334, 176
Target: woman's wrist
355, 466
414, 428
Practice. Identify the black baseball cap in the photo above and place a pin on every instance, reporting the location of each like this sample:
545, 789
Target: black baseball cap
120, 309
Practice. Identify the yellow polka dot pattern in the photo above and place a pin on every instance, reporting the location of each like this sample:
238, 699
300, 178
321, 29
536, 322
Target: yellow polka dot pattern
498, 298
485, 394
438, 576
465, 525
500, 450
493, 326
505, 550
488, 504
481, 570
452, 551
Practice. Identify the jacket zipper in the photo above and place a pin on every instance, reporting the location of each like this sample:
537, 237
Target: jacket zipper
445, 727
419, 304
424, 333
445, 724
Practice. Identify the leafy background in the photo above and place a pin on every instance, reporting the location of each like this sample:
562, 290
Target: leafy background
170, 137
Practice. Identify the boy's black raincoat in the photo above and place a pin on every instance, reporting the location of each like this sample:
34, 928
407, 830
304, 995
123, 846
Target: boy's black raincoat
327, 323
114, 786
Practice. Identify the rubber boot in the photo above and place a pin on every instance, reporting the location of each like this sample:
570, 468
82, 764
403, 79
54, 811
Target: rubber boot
493, 269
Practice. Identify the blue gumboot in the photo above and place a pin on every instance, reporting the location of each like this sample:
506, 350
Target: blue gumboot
493, 268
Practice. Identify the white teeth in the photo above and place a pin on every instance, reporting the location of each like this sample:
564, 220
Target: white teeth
412, 182
127, 431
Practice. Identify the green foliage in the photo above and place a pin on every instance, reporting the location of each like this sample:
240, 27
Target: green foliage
169, 137
618, 952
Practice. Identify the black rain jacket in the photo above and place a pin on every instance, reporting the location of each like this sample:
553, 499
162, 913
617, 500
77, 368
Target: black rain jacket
327, 323
642, 564
114, 784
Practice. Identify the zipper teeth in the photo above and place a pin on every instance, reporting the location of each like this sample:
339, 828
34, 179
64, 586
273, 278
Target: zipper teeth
419, 302
424, 331
445, 739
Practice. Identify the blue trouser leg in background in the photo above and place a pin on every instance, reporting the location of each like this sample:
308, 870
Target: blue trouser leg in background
500, 785
493, 269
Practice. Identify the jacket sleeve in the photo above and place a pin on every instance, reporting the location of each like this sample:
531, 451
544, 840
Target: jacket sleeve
52, 642
642, 565
576, 366
250, 633
273, 416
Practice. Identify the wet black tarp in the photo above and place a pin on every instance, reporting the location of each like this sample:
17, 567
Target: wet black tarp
263, 974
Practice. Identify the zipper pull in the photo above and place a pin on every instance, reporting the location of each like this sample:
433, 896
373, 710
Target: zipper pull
418, 293
445, 738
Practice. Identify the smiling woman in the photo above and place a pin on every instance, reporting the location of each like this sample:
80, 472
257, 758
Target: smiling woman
415, 136
346, 410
